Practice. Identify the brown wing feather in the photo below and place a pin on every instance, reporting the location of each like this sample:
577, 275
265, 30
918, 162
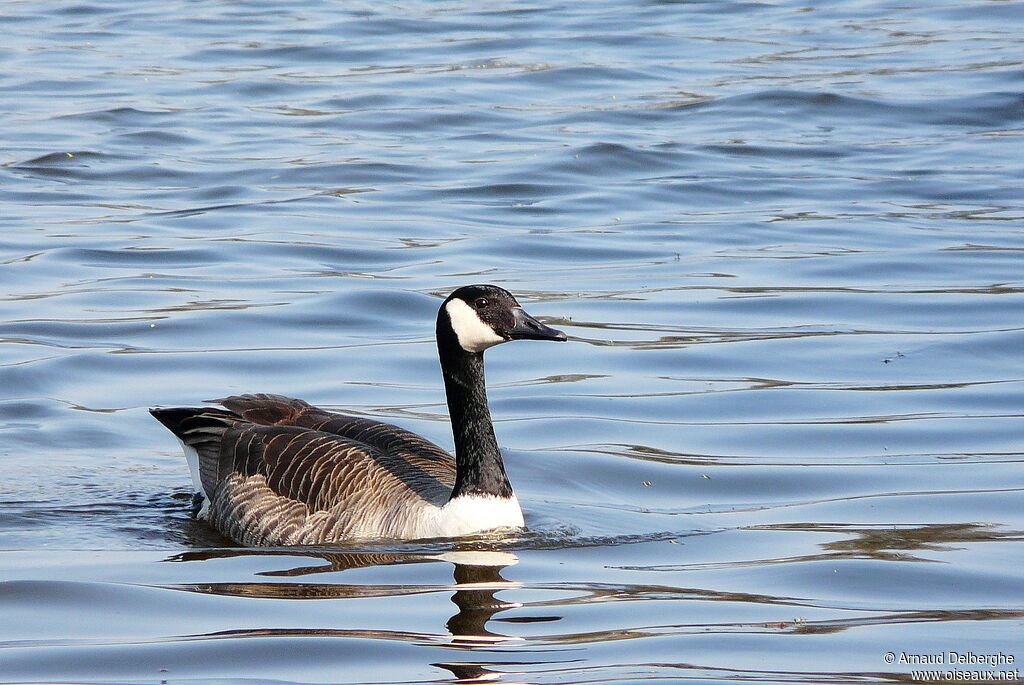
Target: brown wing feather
318, 468
280, 471
291, 484
277, 410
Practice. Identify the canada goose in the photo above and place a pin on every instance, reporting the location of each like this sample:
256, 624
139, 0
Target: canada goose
277, 471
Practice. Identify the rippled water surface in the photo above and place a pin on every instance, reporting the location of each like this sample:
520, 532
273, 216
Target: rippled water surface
785, 239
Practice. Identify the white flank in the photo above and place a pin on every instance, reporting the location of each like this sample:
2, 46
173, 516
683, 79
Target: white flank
474, 335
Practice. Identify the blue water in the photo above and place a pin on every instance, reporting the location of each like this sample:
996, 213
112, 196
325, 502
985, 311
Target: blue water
785, 239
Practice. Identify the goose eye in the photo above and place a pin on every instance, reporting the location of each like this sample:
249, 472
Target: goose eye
480, 302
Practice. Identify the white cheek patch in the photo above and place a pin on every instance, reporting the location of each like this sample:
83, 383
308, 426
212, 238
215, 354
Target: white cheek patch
474, 335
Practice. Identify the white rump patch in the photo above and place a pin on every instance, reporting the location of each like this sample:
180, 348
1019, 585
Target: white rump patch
474, 335
192, 457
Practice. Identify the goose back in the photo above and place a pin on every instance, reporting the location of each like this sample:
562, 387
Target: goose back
280, 471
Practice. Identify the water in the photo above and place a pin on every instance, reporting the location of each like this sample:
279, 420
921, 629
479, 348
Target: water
785, 239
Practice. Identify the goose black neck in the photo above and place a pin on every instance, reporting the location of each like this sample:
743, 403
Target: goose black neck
479, 468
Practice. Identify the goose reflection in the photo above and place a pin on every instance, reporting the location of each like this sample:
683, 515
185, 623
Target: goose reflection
476, 574
478, 577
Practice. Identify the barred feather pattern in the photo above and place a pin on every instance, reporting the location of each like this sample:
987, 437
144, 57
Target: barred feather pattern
278, 471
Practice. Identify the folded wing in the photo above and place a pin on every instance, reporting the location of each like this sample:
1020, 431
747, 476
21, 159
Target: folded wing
280, 471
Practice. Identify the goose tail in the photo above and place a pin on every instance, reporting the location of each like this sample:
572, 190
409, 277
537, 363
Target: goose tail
201, 432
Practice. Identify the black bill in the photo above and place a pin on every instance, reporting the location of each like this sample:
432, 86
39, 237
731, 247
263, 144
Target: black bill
528, 328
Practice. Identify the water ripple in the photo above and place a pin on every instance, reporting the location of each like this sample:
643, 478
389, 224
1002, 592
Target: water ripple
785, 241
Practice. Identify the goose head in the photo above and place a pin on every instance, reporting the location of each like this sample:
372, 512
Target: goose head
476, 317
